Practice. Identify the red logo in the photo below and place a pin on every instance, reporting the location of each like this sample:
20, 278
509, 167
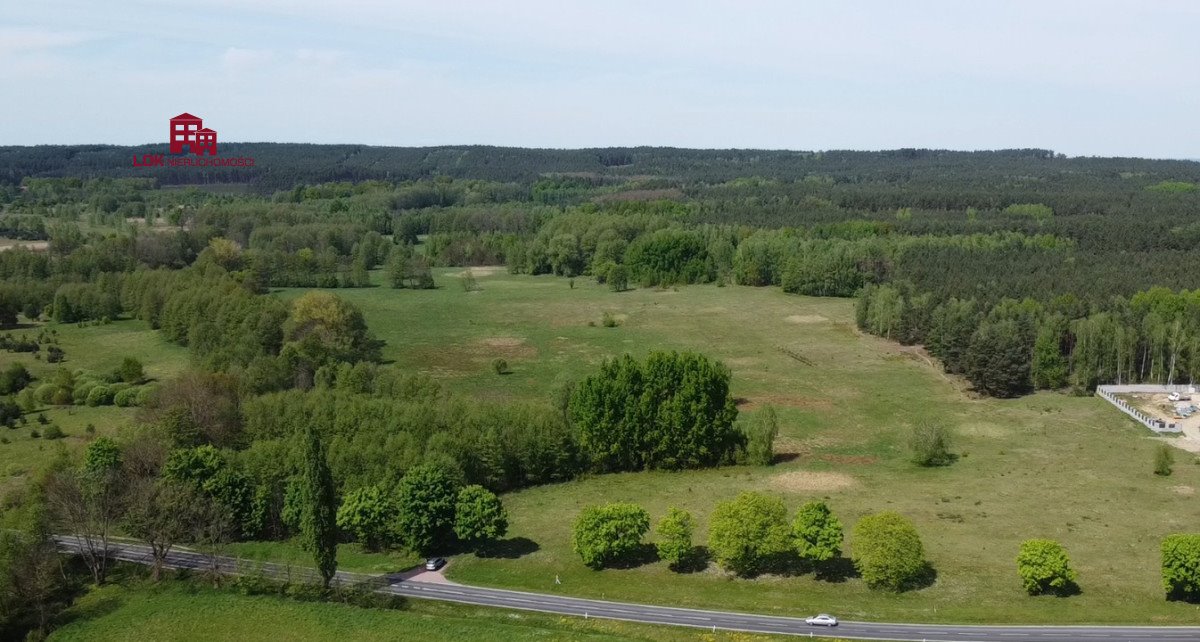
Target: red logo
188, 134
189, 131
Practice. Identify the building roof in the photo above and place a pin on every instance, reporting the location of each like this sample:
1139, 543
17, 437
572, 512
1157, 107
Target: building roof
205, 130
185, 116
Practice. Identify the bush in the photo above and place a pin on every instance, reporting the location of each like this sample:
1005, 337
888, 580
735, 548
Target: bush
617, 277
127, 397
760, 432
1181, 567
13, 379
674, 542
930, 445
888, 552
53, 432
609, 533
747, 533
608, 320
1045, 568
100, 395
130, 371
500, 366
10, 412
1164, 460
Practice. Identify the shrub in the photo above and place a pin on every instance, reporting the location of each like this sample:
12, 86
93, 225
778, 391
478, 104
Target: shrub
130, 371
1045, 568
10, 412
608, 320
14, 378
1164, 460
888, 552
609, 533
1181, 567
53, 432
674, 533
761, 431
747, 533
100, 395
127, 397
617, 277
930, 445
34, 434
500, 366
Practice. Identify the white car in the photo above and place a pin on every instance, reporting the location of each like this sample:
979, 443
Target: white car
1174, 396
434, 563
823, 619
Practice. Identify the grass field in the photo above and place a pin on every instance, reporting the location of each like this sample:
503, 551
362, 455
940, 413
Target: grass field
350, 556
95, 348
1046, 465
183, 613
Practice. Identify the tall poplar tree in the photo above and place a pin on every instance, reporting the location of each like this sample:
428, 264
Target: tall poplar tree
318, 527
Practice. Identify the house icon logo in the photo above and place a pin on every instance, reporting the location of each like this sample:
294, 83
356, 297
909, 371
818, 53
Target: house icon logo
188, 132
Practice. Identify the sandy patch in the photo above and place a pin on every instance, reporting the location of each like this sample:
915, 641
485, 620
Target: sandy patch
502, 342
1184, 490
805, 318
35, 246
482, 270
808, 481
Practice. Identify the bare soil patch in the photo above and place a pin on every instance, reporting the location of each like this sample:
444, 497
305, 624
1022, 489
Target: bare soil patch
1184, 490
803, 319
808, 481
482, 270
36, 246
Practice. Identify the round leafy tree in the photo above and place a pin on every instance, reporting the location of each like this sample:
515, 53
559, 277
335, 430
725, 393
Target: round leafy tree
368, 515
479, 516
888, 551
609, 533
674, 533
817, 533
1045, 568
746, 533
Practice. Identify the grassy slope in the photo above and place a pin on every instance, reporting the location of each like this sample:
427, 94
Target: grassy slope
1046, 465
97, 348
179, 613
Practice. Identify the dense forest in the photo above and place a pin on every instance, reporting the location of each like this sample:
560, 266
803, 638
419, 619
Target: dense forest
1018, 269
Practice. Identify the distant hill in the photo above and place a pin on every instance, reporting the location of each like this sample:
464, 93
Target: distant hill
283, 165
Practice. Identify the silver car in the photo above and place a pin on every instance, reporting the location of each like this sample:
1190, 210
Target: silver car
823, 619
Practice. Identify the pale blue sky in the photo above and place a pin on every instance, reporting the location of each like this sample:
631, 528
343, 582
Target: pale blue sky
1082, 77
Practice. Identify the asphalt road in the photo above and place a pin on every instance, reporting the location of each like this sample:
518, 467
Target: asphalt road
718, 620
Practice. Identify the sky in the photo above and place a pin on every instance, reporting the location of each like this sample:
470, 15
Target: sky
1081, 77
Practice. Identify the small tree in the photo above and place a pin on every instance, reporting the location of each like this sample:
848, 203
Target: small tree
467, 279
608, 533
888, 552
674, 542
1181, 567
1045, 568
817, 533
618, 278
318, 523
131, 371
761, 431
500, 366
1164, 459
930, 444
746, 533
161, 514
479, 517
367, 514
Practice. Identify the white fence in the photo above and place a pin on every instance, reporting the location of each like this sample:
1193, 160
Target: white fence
1155, 424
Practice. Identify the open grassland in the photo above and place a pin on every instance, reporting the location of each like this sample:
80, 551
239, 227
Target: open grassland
350, 556
95, 348
183, 613
1046, 465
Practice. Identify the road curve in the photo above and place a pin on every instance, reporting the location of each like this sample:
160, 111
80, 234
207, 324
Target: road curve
715, 620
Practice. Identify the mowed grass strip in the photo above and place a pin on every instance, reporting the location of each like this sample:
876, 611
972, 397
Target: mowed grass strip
172, 612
